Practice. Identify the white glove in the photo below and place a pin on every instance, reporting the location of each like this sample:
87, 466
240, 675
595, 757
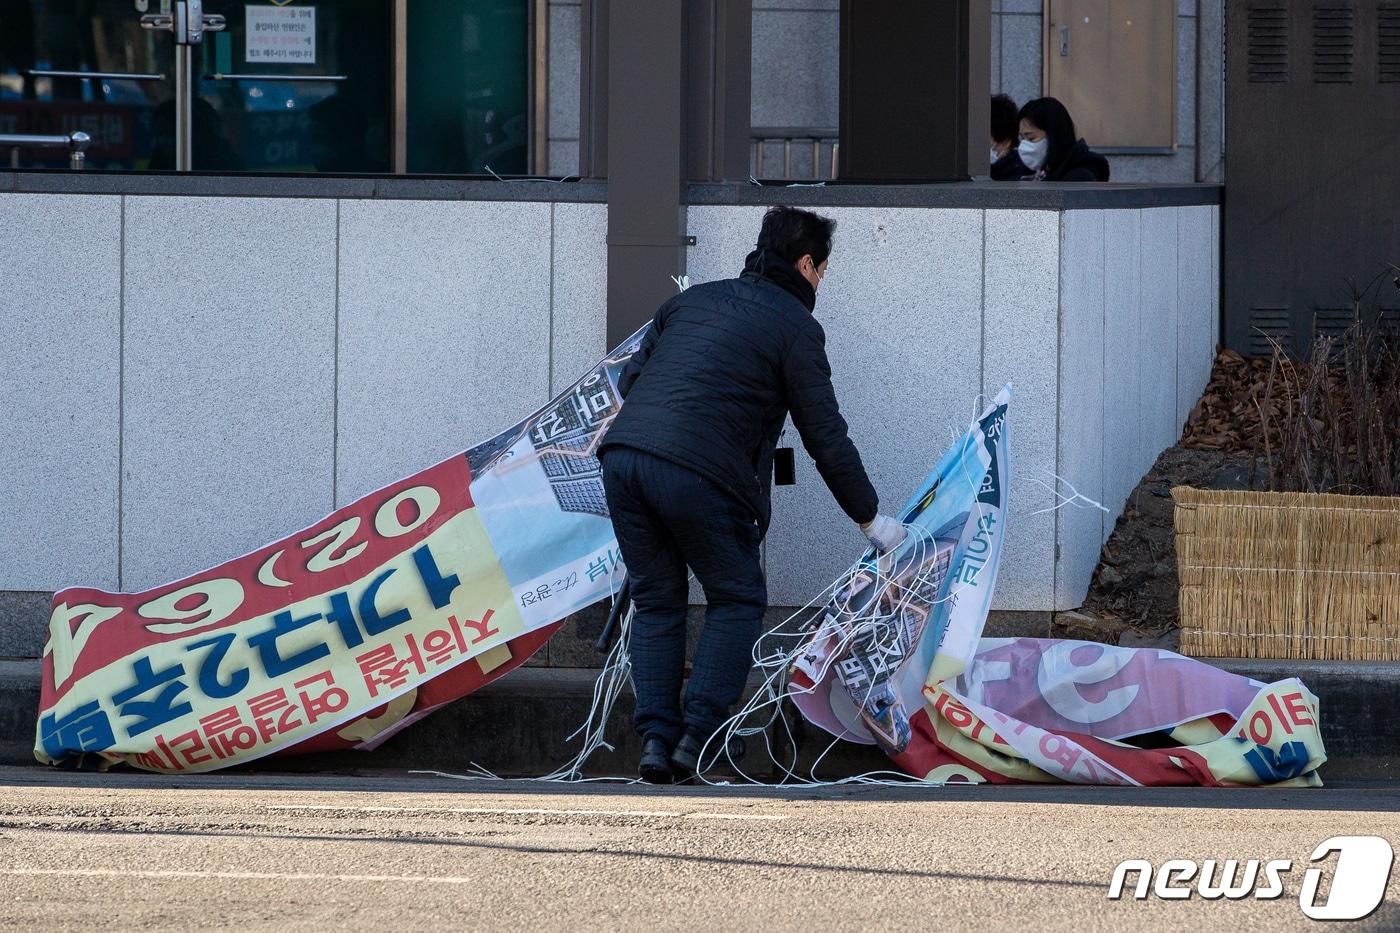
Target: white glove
884, 533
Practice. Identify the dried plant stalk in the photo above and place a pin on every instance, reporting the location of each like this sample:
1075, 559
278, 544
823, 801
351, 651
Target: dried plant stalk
1311, 569
1333, 425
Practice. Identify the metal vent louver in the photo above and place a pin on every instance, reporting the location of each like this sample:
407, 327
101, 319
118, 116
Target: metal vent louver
1332, 322
1267, 322
1334, 44
1389, 19
1268, 45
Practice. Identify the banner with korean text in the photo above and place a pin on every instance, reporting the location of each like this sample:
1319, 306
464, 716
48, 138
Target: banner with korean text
896, 659
342, 634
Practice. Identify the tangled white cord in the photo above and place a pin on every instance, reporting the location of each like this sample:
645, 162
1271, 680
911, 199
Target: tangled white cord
878, 627
607, 688
1075, 497
872, 624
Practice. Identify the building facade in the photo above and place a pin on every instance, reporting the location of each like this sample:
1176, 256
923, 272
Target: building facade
795, 87
195, 364
474, 87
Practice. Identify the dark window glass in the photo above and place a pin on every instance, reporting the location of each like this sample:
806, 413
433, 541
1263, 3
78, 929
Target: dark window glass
298, 121
120, 114
285, 87
467, 86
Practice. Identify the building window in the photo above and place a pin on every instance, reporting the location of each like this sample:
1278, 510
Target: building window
290, 87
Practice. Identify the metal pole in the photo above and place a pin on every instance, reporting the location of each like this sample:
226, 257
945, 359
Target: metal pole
77, 151
539, 90
646, 158
619, 609
400, 120
75, 143
184, 106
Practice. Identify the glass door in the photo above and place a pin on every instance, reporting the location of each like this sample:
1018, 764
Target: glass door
86, 66
270, 85
296, 87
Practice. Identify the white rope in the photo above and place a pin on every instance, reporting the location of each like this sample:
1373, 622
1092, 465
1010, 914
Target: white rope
873, 624
607, 689
1075, 498
879, 625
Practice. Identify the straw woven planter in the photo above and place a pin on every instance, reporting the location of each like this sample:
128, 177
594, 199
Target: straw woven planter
1288, 575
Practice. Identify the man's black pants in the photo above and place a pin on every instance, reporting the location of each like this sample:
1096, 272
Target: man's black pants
667, 518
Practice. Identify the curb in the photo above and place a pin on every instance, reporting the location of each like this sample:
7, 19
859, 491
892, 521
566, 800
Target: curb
519, 725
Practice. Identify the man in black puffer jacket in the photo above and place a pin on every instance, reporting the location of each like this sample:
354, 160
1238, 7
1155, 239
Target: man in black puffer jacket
687, 466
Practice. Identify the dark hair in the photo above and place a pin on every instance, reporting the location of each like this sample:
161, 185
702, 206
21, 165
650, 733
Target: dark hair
792, 233
1006, 123
1050, 116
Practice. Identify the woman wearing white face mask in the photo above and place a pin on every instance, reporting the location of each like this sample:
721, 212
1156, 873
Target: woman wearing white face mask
1051, 148
1006, 160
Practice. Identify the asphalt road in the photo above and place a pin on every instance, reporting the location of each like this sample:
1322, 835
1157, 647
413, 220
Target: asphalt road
128, 851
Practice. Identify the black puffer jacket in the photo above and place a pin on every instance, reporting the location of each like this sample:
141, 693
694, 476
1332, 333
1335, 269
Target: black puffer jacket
1079, 163
1009, 167
717, 373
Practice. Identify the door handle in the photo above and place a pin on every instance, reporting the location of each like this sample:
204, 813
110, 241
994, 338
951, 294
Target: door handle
1064, 42
247, 77
187, 21
104, 75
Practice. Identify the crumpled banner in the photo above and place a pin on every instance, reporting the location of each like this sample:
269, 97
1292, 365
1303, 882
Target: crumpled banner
1033, 709
916, 613
897, 660
341, 635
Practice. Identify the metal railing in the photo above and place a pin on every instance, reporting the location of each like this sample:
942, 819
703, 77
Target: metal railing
97, 75
820, 142
75, 143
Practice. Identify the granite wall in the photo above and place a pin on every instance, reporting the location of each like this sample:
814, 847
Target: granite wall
160, 417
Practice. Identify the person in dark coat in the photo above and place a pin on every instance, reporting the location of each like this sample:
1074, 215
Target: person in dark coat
1006, 159
1052, 149
687, 466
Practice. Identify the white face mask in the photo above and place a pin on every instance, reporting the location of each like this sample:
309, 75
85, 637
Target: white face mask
995, 155
1033, 154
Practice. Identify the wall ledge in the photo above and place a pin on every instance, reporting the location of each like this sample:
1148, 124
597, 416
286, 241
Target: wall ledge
974, 195
980, 195
301, 186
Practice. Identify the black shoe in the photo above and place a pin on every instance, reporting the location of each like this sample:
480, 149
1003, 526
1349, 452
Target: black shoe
685, 759
655, 766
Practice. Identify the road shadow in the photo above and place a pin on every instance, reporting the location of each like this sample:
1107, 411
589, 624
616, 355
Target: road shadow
589, 850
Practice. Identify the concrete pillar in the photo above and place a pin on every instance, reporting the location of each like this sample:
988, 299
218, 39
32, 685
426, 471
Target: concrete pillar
915, 85
665, 101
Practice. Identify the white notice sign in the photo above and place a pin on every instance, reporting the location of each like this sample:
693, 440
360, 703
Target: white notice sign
282, 35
